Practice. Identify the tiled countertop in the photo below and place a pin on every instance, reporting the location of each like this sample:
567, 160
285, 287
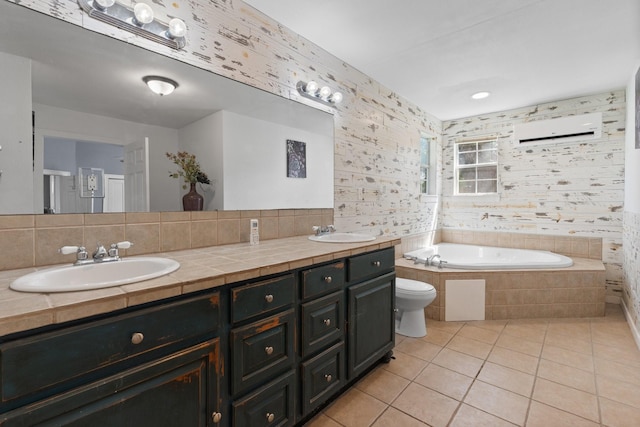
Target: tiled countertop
200, 269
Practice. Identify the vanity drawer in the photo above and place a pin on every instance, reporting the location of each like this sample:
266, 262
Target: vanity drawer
271, 405
262, 297
45, 361
322, 322
261, 350
322, 376
321, 280
371, 264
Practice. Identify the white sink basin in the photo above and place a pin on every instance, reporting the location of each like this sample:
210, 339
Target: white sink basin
94, 276
342, 238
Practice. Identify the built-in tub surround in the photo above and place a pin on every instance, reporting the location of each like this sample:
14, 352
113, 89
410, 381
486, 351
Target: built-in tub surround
520, 293
34, 240
576, 291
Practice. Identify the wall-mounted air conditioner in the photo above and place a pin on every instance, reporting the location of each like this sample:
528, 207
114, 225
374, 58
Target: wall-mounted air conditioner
584, 127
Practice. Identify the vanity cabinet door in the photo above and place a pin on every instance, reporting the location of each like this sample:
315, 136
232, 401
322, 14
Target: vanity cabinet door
270, 406
322, 322
321, 377
179, 390
371, 329
261, 350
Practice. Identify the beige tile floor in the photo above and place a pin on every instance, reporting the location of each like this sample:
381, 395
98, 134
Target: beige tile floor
534, 373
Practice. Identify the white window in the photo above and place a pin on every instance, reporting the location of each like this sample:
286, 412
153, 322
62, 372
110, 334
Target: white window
427, 165
476, 167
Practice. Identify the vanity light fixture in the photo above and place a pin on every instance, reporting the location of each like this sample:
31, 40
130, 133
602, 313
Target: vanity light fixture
160, 85
322, 94
138, 20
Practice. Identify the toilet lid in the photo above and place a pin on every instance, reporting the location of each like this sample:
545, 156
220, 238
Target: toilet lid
409, 286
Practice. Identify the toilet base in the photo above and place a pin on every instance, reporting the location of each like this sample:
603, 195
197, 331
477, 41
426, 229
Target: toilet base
411, 323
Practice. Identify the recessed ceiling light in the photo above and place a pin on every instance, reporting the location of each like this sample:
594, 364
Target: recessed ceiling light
480, 95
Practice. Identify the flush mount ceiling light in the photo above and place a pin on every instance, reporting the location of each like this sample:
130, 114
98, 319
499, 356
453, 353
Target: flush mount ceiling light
160, 85
480, 95
139, 20
323, 94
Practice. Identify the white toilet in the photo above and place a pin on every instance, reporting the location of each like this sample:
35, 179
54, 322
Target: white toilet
412, 297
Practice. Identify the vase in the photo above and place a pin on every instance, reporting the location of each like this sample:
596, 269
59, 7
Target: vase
192, 201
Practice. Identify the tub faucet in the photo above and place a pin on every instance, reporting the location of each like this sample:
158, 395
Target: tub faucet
431, 260
323, 229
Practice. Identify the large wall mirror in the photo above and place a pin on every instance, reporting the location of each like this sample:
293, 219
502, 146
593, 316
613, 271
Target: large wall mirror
74, 109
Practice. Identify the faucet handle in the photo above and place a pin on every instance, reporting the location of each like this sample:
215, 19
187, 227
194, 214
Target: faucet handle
66, 250
124, 245
331, 228
315, 228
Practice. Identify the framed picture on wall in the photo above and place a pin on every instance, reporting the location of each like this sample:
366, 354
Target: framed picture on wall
638, 109
296, 159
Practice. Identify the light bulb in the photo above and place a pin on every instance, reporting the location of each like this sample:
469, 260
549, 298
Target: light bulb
177, 28
103, 4
143, 13
336, 98
311, 87
325, 92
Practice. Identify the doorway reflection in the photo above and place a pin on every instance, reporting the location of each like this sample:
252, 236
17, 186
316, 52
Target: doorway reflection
63, 190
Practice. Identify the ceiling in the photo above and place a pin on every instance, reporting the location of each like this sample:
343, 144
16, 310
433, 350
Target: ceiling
438, 53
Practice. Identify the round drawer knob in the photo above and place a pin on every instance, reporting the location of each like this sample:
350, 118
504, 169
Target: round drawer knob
137, 338
268, 350
268, 298
270, 417
216, 417
376, 263
327, 322
328, 377
328, 279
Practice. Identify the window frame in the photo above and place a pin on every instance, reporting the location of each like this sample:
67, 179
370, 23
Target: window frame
427, 182
458, 167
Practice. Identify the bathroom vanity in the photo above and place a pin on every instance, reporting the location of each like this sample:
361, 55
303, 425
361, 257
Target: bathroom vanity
267, 351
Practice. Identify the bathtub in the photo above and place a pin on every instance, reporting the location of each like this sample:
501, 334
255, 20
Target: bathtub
471, 257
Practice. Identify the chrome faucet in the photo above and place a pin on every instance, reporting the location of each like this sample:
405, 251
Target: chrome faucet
323, 229
101, 254
430, 260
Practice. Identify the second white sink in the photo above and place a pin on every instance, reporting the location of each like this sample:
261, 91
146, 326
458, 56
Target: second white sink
94, 276
342, 238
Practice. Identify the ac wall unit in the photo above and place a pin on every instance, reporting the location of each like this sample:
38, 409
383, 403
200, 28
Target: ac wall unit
584, 127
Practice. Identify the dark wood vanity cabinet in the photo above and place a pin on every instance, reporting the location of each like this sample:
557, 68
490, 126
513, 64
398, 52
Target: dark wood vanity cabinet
160, 365
265, 352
